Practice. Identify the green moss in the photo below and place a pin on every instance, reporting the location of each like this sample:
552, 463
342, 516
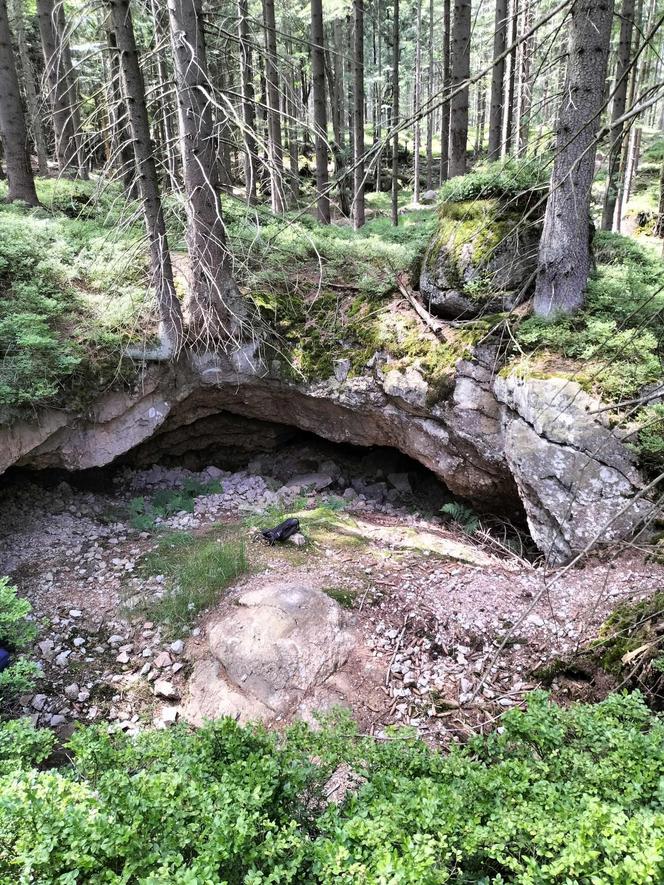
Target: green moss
629, 627
345, 598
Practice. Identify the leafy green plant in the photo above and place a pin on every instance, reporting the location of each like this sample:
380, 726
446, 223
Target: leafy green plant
463, 516
16, 632
554, 796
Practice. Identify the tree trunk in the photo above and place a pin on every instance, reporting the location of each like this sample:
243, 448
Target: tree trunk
66, 148
290, 102
122, 154
276, 150
31, 97
417, 100
395, 113
247, 91
460, 75
358, 115
617, 111
511, 81
12, 121
447, 84
564, 254
320, 109
659, 223
525, 86
430, 115
170, 312
216, 310
498, 81
171, 151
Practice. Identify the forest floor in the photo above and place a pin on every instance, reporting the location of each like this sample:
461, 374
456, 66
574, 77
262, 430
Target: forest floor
430, 605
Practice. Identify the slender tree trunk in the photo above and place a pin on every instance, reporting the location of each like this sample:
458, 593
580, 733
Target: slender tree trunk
171, 150
378, 134
395, 113
170, 312
498, 80
430, 115
31, 97
460, 75
564, 254
659, 223
417, 135
320, 108
525, 86
617, 111
276, 151
12, 121
72, 98
511, 81
122, 154
248, 113
634, 83
290, 100
358, 115
216, 309
66, 149
447, 84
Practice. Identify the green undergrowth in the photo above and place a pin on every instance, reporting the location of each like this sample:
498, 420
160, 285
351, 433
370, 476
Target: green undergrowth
613, 342
72, 292
196, 571
555, 796
16, 634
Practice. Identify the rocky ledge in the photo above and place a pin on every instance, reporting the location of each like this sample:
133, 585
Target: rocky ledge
506, 444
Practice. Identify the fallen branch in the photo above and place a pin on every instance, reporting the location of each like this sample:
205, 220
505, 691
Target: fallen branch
434, 325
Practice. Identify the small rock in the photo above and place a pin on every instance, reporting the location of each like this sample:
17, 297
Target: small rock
47, 648
177, 647
57, 720
39, 702
75, 613
71, 691
122, 658
166, 690
83, 695
63, 658
298, 539
163, 660
169, 715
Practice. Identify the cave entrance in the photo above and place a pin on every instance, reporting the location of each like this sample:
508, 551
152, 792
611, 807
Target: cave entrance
284, 453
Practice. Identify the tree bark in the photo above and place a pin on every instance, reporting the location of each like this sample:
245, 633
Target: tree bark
215, 306
166, 111
395, 113
511, 81
248, 112
525, 86
417, 100
460, 75
564, 253
358, 115
122, 154
276, 150
498, 80
170, 312
447, 83
60, 93
659, 223
31, 97
430, 115
617, 111
12, 121
320, 109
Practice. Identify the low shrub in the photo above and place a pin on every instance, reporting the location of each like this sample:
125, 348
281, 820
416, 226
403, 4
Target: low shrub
506, 181
553, 796
16, 632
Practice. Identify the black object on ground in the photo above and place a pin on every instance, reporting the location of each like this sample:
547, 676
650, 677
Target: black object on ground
283, 531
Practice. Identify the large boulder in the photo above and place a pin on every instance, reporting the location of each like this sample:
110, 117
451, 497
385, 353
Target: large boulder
481, 260
271, 650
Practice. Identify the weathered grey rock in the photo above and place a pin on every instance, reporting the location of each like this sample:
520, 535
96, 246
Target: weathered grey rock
314, 481
481, 260
428, 197
166, 690
276, 645
576, 479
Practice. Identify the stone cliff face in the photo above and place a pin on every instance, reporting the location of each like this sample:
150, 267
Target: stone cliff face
503, 443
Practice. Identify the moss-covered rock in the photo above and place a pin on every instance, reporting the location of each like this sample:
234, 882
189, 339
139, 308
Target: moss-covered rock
481, 259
